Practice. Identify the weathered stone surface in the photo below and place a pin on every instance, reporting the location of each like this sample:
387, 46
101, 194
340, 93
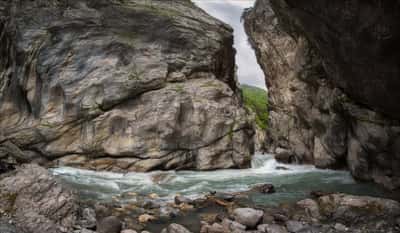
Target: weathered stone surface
248, 216
348, 208
328, 86
109, 224
295, 226
128, 231
231, 226
119, 85
271, 228
311, 207
37, 202
175, 228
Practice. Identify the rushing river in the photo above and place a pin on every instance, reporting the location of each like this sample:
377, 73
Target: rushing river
292, 182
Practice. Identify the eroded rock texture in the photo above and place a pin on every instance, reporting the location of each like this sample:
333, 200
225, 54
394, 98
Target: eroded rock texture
119, 85
333, 69
37, 202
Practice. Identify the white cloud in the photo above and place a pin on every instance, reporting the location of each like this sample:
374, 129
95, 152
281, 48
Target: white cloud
230, 11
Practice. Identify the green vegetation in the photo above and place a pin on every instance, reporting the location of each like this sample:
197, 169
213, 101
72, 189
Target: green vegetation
256, 100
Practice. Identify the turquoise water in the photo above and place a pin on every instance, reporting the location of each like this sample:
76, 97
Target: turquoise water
292, 182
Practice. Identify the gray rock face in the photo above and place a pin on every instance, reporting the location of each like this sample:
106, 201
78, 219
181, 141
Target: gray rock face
321, 113
119, 85
248, 216
37, 202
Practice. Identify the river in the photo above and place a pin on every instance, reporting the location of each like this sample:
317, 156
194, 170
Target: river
292, 182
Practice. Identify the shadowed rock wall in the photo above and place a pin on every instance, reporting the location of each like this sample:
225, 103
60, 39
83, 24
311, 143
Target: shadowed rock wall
332, 68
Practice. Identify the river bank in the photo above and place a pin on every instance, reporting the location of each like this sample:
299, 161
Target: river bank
36, 201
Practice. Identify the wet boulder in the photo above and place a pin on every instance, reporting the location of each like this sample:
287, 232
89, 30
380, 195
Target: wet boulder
264, 188
182, 199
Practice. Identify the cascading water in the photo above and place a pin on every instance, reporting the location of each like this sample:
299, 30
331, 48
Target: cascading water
292, 182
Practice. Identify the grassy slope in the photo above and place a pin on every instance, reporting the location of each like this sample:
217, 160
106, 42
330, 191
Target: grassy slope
256, 99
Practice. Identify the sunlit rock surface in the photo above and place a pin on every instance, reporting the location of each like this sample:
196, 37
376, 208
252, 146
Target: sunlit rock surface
119, 85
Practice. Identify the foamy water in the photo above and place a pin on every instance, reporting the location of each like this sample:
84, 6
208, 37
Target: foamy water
292, 182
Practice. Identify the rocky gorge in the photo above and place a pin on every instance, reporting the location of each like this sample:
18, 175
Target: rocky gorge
108, 108
332, 69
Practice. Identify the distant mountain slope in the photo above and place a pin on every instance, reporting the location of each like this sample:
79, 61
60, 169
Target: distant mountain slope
256, 99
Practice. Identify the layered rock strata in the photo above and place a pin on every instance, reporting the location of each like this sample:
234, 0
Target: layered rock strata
129, 85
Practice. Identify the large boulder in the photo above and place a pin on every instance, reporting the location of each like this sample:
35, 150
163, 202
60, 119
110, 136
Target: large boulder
175, 228
332, 82
120, 85
38, 202
349, 208
248, 217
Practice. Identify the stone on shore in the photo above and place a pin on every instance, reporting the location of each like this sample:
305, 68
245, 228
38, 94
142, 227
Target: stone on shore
175, 228
38, 202
109, 224
248, 216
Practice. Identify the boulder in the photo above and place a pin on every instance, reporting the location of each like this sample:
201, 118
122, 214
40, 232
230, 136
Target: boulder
264, 188
248, 216
88, 218
295, 226
110, 224
175, 228
348, 207
39, 202
182, 199
232, 225
271, 228
311, 207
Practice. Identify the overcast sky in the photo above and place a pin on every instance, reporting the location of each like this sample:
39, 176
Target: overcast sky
230, 11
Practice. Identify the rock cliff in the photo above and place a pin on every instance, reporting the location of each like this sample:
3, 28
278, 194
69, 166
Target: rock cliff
122, 85
332, 69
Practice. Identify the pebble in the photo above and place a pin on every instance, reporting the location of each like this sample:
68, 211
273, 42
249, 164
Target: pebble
154, 196
340, 227
145, 218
